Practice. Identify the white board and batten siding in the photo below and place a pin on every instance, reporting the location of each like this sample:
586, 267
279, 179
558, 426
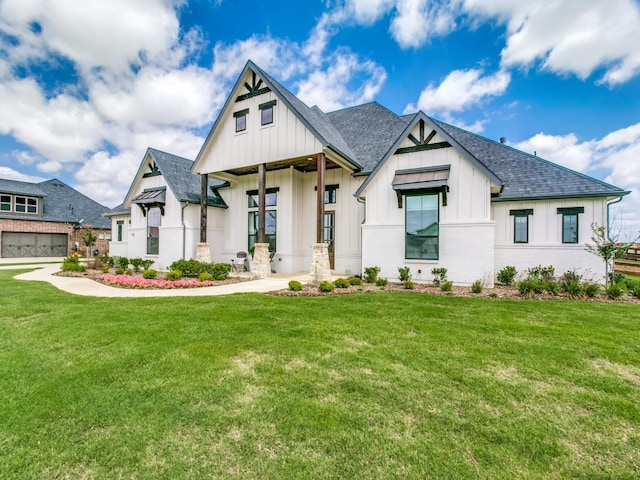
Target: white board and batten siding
285, 138
545, 245
466, 228
295, 219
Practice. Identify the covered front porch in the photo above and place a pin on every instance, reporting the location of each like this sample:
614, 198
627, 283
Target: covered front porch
292, 216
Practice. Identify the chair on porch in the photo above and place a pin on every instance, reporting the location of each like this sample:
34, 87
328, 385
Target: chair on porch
239, 264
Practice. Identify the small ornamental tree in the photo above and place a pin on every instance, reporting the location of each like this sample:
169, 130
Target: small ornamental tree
88, 237
608, 249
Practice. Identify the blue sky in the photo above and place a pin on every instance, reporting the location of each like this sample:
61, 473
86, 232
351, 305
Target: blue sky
87, 85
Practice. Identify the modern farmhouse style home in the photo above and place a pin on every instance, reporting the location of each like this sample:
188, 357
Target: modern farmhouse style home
359, 187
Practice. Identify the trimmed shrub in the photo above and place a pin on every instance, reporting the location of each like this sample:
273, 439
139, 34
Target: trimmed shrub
326, 286
355, 281
341, 283
530, 287
122, 262
439, 276
404, 274
295, 285
151, 273
507, 275
408, 284
551, 287
591, 289
204, 277
105, 269
635, 289
193, 268
446, 286
129, 272
173, 275
477, 287
381, 282
371, 274
136, 263
72, 264
119, 271
615, 291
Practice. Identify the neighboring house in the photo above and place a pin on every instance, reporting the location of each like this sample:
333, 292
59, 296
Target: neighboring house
45, 219
394, 191
160, 216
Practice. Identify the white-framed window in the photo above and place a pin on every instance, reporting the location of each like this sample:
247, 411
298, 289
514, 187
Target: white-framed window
25, 204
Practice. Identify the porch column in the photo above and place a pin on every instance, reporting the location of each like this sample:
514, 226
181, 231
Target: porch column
203, 253
261, 264
320, 267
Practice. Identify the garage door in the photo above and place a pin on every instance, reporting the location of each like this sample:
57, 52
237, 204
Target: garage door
17, 245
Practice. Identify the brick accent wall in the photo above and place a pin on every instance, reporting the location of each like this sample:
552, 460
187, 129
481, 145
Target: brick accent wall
33, 226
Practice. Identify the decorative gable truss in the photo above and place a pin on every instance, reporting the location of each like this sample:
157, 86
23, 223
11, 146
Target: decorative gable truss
423, 143
254, 89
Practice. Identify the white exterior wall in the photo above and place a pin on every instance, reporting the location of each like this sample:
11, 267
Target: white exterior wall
286, 137
466, 228
296, 219
545, 245
116, 248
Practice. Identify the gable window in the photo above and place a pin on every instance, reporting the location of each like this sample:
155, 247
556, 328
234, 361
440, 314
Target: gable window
521, 225
570, 223
5, 203
266, 112
26, 205
422, 226
241, 120
153, 231
271, 200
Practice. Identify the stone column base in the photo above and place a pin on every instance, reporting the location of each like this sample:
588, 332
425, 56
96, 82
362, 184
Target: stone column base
261, 265
203, 254
320, 267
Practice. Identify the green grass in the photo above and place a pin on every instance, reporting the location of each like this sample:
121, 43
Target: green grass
378, 385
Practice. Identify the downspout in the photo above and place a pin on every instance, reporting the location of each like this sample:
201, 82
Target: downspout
184, 229
364, 219
613, 202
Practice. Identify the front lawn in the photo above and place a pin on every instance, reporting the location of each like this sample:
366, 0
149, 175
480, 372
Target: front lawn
376, 385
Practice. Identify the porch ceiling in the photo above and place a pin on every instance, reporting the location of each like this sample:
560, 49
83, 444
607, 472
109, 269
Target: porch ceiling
302, 164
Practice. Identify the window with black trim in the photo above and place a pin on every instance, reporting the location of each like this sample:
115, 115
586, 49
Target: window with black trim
119, 224
241, 120
521, 225
270, 227
570, 223
330, 193
266, 112
153, 230
422, 230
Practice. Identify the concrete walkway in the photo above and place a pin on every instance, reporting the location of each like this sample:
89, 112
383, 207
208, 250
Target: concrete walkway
44, 272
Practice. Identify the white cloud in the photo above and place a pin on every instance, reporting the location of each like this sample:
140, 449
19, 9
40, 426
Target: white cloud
367, 12
61, 128
569, 36
330, 88
92, 33
11, 174
417, 20
187, 97
460, 90
562, 149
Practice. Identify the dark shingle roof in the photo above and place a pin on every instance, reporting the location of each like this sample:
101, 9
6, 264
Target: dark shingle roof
184, 184
119, 210
61, 203
370, 130
527, 176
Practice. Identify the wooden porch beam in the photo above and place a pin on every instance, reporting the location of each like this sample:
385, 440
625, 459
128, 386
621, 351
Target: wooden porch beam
262, 198
204, 187
322, 166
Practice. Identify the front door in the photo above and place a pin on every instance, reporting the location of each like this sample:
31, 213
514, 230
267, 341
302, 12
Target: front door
330, 235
